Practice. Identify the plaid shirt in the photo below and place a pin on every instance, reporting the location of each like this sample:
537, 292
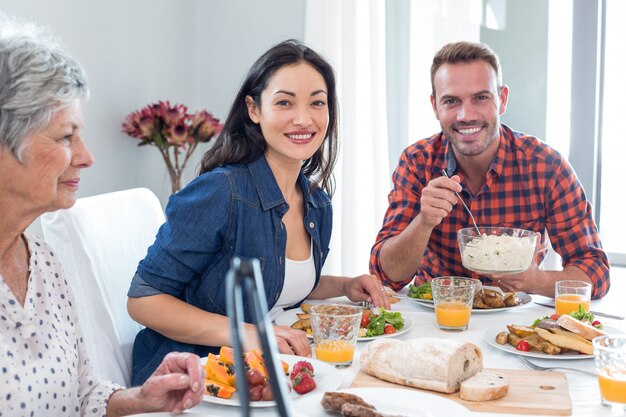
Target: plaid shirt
528, 185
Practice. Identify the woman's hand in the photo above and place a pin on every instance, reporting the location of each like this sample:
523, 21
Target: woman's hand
367, 288
292, 342
289, 341
176, 385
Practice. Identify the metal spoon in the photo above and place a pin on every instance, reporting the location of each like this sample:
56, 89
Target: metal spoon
443, 171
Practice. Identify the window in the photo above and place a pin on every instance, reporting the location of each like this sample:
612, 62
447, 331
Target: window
613, 149
596, 148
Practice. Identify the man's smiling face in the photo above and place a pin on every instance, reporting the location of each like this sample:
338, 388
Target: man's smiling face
468, 105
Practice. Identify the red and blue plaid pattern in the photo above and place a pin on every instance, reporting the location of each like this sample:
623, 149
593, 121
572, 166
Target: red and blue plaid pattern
528, 185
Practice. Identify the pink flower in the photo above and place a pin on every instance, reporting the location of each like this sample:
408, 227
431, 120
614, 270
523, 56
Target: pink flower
171, 128
177, 134
205, 131
146, 125
205, 126
132, 125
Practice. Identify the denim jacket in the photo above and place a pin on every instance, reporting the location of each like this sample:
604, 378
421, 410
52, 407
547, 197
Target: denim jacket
234, 210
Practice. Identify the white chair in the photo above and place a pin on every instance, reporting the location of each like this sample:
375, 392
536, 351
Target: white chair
99, 242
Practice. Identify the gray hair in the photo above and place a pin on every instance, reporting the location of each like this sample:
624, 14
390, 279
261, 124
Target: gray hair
37, 78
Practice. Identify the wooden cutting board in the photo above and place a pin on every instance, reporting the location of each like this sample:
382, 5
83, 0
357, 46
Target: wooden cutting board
530, 392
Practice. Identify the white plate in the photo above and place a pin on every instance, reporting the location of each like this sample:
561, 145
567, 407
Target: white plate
327, 378
166, 414
289, 317
396, 401
407, 326
523, 297
492, 332
189, 413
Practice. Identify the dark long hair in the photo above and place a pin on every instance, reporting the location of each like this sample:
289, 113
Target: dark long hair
241, 140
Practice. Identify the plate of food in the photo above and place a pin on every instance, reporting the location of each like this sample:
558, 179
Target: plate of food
486, 300
388, 401
376, 323
326, 377
556, 337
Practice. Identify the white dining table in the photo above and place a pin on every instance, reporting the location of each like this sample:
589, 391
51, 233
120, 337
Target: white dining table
583, 389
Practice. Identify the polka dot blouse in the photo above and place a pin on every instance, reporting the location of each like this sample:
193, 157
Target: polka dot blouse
44, 370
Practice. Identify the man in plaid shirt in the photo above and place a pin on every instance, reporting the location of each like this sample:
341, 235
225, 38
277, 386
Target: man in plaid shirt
506, 178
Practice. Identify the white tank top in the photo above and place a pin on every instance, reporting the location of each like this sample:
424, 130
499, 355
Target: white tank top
299, 282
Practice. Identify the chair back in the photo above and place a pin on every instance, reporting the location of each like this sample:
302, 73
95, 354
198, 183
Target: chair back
100, 241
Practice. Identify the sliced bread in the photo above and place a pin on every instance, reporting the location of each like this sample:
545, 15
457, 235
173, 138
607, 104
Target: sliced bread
484, 386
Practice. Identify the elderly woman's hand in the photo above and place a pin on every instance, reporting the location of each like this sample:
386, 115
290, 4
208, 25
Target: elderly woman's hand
367, 288
176, 385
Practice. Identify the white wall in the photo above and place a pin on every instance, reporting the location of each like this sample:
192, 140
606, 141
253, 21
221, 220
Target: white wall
135, 52
230, 36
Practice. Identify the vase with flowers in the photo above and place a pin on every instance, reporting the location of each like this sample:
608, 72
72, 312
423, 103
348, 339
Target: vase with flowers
173, 131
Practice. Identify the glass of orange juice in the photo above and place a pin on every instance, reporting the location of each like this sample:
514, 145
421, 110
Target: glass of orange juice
453, 298
335, 329
569, 295
610, 356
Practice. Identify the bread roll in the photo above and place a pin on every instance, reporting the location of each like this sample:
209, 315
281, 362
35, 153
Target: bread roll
429, 363
484, 386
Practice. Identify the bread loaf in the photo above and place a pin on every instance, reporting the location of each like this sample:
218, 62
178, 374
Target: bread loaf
429, 363
484, 386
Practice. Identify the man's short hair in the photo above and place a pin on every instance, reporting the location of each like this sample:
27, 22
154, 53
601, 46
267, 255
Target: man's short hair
466, 52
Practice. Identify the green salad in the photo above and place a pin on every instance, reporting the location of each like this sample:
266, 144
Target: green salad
376, 326
423, 292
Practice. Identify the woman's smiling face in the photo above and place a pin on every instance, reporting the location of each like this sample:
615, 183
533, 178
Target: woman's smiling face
48, 176
292, 113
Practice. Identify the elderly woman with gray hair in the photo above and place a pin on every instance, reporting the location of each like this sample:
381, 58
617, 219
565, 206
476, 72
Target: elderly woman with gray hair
45, 370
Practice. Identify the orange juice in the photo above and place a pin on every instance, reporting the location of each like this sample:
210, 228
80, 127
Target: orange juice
612, 385
335, 351
566, 303
452, 314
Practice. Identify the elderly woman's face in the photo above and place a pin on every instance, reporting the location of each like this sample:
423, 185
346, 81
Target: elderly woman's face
48, 176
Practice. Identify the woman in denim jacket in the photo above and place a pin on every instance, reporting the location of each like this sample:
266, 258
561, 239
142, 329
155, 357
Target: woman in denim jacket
263, 192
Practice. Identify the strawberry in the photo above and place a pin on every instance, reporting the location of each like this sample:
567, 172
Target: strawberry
302, 366
303, 383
